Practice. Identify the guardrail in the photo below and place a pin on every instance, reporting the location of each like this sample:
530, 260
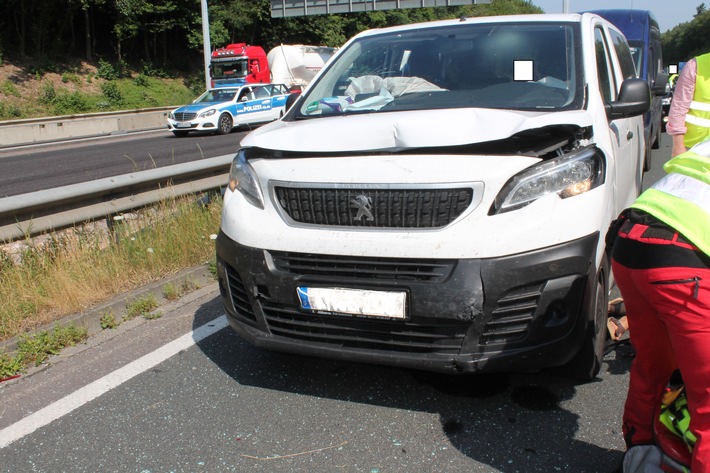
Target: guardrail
44, 130
31, 214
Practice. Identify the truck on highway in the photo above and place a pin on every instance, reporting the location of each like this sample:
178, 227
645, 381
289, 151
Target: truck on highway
297, 64
291, 64
238, 64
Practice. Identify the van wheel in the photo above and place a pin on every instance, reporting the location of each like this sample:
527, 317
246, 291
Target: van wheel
224, 125
180, 133
585, 365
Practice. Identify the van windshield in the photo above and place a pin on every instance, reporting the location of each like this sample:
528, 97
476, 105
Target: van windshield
504, 66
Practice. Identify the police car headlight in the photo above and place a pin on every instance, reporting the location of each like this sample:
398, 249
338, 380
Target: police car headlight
171, 116
242, 179
207, 113
567, 176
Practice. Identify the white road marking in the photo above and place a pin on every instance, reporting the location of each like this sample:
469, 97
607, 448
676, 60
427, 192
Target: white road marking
101, 386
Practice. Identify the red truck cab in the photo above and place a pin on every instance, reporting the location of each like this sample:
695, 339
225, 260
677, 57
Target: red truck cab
238, 64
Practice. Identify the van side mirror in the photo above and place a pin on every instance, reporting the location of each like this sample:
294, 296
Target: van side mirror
634, 99
660, 84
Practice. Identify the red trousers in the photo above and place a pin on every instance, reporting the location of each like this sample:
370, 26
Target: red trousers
668, 311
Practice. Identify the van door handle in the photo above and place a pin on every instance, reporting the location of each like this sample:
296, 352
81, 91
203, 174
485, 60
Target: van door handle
629, 135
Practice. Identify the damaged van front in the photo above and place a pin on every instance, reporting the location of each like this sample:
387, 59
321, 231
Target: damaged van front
438, 197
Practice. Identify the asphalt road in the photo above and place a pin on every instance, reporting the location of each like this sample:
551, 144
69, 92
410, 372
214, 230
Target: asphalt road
33, 168
184, 394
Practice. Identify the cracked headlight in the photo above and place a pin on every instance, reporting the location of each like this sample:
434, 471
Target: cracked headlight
242, 179
567, 176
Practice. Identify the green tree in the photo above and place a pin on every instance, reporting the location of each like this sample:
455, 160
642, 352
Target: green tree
687, 40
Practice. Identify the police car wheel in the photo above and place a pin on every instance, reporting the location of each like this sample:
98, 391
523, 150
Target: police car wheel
224, 125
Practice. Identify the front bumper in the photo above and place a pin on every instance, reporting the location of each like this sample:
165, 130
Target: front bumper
524, 312
191, 126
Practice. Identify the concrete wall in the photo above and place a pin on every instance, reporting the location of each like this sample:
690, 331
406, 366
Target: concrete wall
22, 132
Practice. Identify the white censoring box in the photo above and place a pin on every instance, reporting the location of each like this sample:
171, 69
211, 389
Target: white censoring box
353, 301
283, 8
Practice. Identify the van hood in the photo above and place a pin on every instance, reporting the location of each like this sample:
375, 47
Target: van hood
396, 131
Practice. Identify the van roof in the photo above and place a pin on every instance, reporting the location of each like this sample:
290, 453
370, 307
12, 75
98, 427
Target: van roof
526, 18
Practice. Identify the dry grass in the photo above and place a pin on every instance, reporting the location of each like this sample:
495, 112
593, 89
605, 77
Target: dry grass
68, 273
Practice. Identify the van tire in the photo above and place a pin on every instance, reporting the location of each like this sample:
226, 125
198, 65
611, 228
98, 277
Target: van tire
586, 364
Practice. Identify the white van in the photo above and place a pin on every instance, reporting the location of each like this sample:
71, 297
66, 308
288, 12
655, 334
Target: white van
438, 198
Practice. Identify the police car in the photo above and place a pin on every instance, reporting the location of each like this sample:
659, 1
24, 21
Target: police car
220, 110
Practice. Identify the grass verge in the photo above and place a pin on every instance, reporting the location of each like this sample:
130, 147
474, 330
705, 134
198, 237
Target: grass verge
59, 90
67, 273
35, 349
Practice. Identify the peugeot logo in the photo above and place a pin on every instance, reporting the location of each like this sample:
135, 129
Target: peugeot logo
363, 204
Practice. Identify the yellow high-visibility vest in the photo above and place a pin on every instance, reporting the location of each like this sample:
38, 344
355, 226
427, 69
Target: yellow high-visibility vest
697, 120
681, 199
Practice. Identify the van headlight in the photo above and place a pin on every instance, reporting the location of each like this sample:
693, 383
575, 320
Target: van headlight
567, 176
242, 178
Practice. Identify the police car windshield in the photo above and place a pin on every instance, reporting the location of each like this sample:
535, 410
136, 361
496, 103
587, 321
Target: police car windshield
508, 66
217, 95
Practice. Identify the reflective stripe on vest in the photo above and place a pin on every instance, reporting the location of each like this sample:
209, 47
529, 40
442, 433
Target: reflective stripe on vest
703, 107
697, 120
701, 122
686, 188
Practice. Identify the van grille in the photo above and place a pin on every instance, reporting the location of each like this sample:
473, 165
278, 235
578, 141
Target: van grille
349, 267
378, 208
239, 298
511, 318
357, 332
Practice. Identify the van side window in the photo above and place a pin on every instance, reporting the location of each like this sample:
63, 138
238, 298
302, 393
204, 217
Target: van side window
624, 54
655, 62
604, 67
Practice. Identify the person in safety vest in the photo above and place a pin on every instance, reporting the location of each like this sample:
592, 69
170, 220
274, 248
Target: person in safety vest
689, 115
661, 263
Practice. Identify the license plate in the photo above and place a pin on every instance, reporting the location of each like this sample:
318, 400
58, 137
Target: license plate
183, 125
353, 301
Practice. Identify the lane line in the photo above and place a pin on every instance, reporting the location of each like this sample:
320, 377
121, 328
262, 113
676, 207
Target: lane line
101, 386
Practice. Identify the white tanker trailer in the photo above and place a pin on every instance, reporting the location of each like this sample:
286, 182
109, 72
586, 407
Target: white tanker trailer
296, 64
